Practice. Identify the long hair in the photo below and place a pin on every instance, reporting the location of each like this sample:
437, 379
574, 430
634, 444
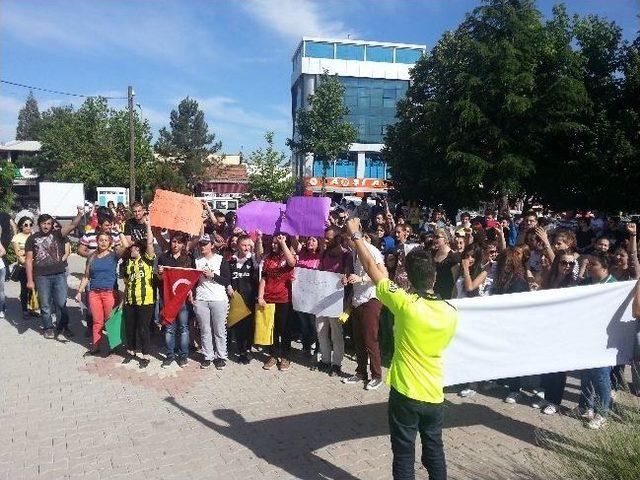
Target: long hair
554, 279
474, 250
510, 267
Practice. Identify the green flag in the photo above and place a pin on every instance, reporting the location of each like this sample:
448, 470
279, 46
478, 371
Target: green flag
115, 328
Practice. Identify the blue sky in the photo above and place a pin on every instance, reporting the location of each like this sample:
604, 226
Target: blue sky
234, 57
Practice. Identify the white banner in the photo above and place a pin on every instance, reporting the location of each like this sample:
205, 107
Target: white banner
541, 332
316, 292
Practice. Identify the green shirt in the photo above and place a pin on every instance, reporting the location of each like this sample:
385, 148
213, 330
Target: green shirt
422, 330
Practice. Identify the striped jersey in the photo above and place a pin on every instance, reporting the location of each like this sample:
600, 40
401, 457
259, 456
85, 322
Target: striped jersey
138, 276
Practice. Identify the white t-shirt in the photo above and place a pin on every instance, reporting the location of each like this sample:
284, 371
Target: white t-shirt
363, 292
208, 290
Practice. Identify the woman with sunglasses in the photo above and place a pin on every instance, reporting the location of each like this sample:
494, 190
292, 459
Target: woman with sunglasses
25, 225
447, 262
561, 275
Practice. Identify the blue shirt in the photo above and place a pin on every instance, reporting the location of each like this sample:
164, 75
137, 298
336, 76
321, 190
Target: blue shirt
102, 272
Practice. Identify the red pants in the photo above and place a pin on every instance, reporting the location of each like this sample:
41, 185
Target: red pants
366, 322
101, 302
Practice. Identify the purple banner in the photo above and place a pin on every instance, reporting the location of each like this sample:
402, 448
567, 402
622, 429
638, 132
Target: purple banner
306, 216
259, 215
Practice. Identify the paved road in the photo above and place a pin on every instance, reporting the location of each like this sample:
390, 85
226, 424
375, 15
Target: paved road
65, 416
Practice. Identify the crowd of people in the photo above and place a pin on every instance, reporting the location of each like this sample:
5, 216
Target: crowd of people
492, 253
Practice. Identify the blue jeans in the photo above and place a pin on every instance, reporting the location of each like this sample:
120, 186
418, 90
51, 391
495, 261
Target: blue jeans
52, 295
181, 324
595, 389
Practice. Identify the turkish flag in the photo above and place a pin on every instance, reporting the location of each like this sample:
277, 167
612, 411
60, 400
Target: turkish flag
177, 283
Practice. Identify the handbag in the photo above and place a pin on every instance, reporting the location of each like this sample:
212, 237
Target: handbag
264, 324
18, 273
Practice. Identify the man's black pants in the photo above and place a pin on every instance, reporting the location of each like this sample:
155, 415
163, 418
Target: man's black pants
407, 417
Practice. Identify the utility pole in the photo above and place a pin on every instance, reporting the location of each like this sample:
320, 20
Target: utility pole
132, 144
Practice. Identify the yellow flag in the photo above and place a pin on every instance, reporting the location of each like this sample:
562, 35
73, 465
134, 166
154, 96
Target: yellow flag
237, 309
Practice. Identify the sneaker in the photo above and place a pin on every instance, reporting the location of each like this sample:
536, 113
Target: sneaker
127, 359
68, 333
182, 362
205, 364
596, 422
284, 365
49, 333
244, 359
353, 379
2, 316
373, 384
488, 385
467, 392
537, 401
144, 363
323, 367
335, 371
512, 397
91, 353
550, 409
219, 363
269, 363
166, 362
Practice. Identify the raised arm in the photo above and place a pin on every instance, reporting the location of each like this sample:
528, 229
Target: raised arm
288, 255
259, 250
632, 249
64, 231
376, 272
150, 250
635, 307
544, 238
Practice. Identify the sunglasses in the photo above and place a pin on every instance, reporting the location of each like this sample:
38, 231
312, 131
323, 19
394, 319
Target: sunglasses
492, 252
564, 263
27, 225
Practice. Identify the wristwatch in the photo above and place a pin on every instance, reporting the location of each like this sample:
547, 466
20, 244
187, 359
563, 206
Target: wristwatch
356, 236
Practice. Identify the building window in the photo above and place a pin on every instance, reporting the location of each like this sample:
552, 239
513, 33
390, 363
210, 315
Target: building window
318, 169
379, 54
346, 166
349, 52
407, 55
374, 166
319, 49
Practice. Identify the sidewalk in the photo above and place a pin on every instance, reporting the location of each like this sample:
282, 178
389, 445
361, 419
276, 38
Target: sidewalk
65, 416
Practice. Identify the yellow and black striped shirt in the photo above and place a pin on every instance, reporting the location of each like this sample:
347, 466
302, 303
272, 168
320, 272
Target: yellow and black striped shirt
138, 276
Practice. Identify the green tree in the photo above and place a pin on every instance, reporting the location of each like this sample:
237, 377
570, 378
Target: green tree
270, 176
91, 145
28, 120
7, 174
188, 146
321, 129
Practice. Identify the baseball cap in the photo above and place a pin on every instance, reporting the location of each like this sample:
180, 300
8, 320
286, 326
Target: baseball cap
206, 238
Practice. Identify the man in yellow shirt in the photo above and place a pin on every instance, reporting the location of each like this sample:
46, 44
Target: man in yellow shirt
424, 326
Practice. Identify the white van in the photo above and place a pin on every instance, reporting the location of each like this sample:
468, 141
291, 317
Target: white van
222, 204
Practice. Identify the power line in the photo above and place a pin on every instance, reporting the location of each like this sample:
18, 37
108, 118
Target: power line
31, 87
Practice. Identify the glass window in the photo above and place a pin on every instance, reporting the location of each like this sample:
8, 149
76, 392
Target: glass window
374, 166
346, 166
350, 52
407, 55
318, 169
220, 205
379, 54
232, 205
319, 49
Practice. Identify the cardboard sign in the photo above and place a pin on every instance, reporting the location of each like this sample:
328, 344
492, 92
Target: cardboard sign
317, 292
259, 215
60, 199
306, 216
175, 211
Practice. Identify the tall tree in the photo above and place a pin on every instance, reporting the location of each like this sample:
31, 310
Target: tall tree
270, 176
321, 129
187, 145
7, 197
91, 145
28, 120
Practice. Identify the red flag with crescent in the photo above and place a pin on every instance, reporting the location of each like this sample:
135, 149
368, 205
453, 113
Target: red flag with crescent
177, 283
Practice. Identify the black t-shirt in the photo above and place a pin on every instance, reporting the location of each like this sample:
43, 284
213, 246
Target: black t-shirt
7, 233
135, 229
244, 280
516, 285
444, 275
48, 251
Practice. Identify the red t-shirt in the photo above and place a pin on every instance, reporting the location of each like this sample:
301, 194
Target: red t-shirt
278, 276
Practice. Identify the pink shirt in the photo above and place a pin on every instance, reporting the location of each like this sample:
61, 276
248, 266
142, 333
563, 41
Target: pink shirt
308, 259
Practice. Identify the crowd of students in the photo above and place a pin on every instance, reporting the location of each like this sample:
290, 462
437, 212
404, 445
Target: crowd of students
479, 255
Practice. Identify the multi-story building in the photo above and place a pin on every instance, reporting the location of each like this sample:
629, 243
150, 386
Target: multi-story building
375, 76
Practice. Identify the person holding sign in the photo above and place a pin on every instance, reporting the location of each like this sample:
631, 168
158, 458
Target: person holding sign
139, 298
424, 326
275, 287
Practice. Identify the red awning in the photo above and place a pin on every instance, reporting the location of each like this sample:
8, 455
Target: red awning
224, 187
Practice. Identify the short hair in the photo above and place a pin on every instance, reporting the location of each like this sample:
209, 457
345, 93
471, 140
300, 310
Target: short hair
135, 204
530, 213
421, 269
602, 258
243, 237
45, 217
218, 213
105, 217
180, 237
465, 214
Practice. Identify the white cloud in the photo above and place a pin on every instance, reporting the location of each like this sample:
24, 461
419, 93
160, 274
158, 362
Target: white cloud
297, 18
158, 31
